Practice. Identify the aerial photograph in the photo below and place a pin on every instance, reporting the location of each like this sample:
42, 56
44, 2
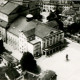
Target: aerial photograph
39, 40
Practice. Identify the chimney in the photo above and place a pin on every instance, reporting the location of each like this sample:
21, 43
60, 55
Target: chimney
29, 17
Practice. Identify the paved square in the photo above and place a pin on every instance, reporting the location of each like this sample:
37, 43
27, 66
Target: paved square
65, 70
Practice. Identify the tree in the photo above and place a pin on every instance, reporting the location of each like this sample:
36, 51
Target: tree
1, 46
58, 11
60, 23
28, 63
38, 16
74, 28
51, 16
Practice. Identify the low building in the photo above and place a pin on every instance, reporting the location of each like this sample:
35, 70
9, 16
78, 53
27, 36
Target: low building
8, 12
45, 75
48, 75
11, 74
49, 7
76, 7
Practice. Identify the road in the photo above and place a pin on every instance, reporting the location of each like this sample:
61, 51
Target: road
65, 70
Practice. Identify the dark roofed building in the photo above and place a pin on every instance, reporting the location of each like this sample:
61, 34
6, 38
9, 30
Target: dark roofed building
12, 73
53, 24
3, 27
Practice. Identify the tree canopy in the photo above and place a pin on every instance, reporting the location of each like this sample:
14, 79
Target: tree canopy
28, 63
51, 16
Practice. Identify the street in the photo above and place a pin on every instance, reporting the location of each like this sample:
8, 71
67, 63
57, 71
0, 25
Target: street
65, 70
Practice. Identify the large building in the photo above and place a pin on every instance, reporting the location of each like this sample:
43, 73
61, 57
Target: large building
7, 16
9, 11
30, 36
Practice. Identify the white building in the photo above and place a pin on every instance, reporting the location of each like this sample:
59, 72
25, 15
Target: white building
34, 37
49, 7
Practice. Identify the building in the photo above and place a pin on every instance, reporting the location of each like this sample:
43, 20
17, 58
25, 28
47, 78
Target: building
10, 10
70, 14
30, 36
40, 41
48, 75
11, 73
77, 17
2, 73
48, 6
3, 27
45, 75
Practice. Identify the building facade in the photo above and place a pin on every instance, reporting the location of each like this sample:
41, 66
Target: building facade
49, 7
13, 40
40, 42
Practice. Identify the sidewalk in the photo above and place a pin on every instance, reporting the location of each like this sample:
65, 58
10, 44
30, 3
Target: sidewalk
15, 53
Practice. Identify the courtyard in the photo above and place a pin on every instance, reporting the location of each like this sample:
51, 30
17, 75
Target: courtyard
65, 70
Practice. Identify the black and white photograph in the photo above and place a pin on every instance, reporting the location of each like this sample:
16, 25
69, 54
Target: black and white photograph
39, 39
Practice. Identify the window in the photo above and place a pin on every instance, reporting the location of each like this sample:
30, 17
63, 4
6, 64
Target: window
50, 40
47, 42
61, 36
44, 44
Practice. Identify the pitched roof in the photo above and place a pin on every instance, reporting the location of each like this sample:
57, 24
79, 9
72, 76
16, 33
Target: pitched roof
46, 75
78, 12
20, 24
2, 73
70, 12
8, 8
29, 33
52, 24
12, 73
42, 30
